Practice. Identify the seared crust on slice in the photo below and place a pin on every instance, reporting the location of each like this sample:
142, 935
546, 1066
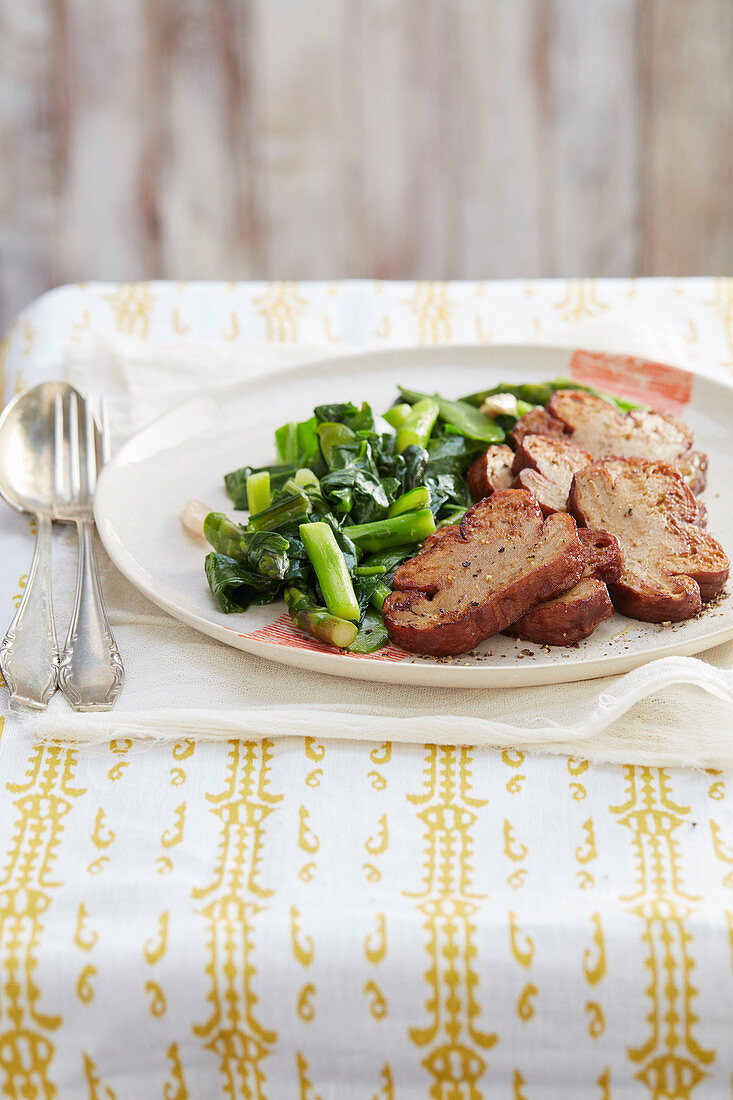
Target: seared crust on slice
671, 566
694, 468
474, 581
546, 468
568, 618
537, 422
573, 616
491, 472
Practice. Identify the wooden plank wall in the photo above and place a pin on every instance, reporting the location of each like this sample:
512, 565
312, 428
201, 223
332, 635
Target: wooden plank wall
328, 138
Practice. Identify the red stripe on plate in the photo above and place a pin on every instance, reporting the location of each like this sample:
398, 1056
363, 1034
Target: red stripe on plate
656, 384
282, 632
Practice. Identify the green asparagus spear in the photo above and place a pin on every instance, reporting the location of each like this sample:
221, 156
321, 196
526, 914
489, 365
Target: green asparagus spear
317, 620
462, 416
332, 434
411, 527
416, 428
328, 562
397, 415
258, 492
410, 502
286, 512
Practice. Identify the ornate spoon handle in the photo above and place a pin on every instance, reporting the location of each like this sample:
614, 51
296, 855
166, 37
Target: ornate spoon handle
29, 655
90, 672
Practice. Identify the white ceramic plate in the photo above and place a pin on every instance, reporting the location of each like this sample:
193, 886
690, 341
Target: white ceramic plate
186, 453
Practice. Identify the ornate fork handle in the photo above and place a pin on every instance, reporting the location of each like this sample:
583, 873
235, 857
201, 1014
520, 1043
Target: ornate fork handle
29, 655
90, 672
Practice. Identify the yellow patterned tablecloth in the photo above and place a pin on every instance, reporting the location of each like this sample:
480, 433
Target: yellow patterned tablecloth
332, 921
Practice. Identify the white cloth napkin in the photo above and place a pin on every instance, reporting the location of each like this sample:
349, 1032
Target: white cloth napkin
675, 711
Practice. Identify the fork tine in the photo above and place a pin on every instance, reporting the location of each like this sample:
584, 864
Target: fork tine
91, 448
106, 435
74, 456
58, 446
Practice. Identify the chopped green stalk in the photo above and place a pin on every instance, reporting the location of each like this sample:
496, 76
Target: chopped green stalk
410, 502
453, 518
332, 434
328, 562
305, 478
258, 492
416, 428
411, 527
534, 393
286, 512
262, 551
317, 620
397, 415
286, 441
461, 415
379, 595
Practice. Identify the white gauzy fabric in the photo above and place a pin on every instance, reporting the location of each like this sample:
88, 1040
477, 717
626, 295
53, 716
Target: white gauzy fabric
182, 684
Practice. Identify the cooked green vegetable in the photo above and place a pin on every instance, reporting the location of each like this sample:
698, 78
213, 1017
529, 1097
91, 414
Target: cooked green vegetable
397, 414
235, 483
235, 586
330, 569
461, 415
372, 633
410, 502
415, 429
539, 393
412, 527
290, 510
330, 435
258, 491
265, 552
379, 595
316, 620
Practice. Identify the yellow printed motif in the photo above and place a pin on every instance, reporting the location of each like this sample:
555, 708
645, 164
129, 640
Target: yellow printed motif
281, 305
26, 887
671, 1061
232, 903
132, 304
175, 1086
433, 310
580, 301
454, 1043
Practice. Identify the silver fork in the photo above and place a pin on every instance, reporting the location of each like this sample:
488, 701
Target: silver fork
90, 668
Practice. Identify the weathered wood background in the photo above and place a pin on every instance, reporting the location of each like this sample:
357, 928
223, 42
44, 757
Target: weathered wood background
324, 138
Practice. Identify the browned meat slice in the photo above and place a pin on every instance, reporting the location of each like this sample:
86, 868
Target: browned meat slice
591, 423
568, 618
694, 468
671, 566
602, 430
574, 615
491, 472
537, 422
474, 581
546, 467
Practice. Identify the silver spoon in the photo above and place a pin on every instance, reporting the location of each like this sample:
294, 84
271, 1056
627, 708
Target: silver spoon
29, 654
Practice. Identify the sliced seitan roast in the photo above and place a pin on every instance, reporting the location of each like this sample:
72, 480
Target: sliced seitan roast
569, 618
491, 472
671, 566
546, 468
591, 423
476, 579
